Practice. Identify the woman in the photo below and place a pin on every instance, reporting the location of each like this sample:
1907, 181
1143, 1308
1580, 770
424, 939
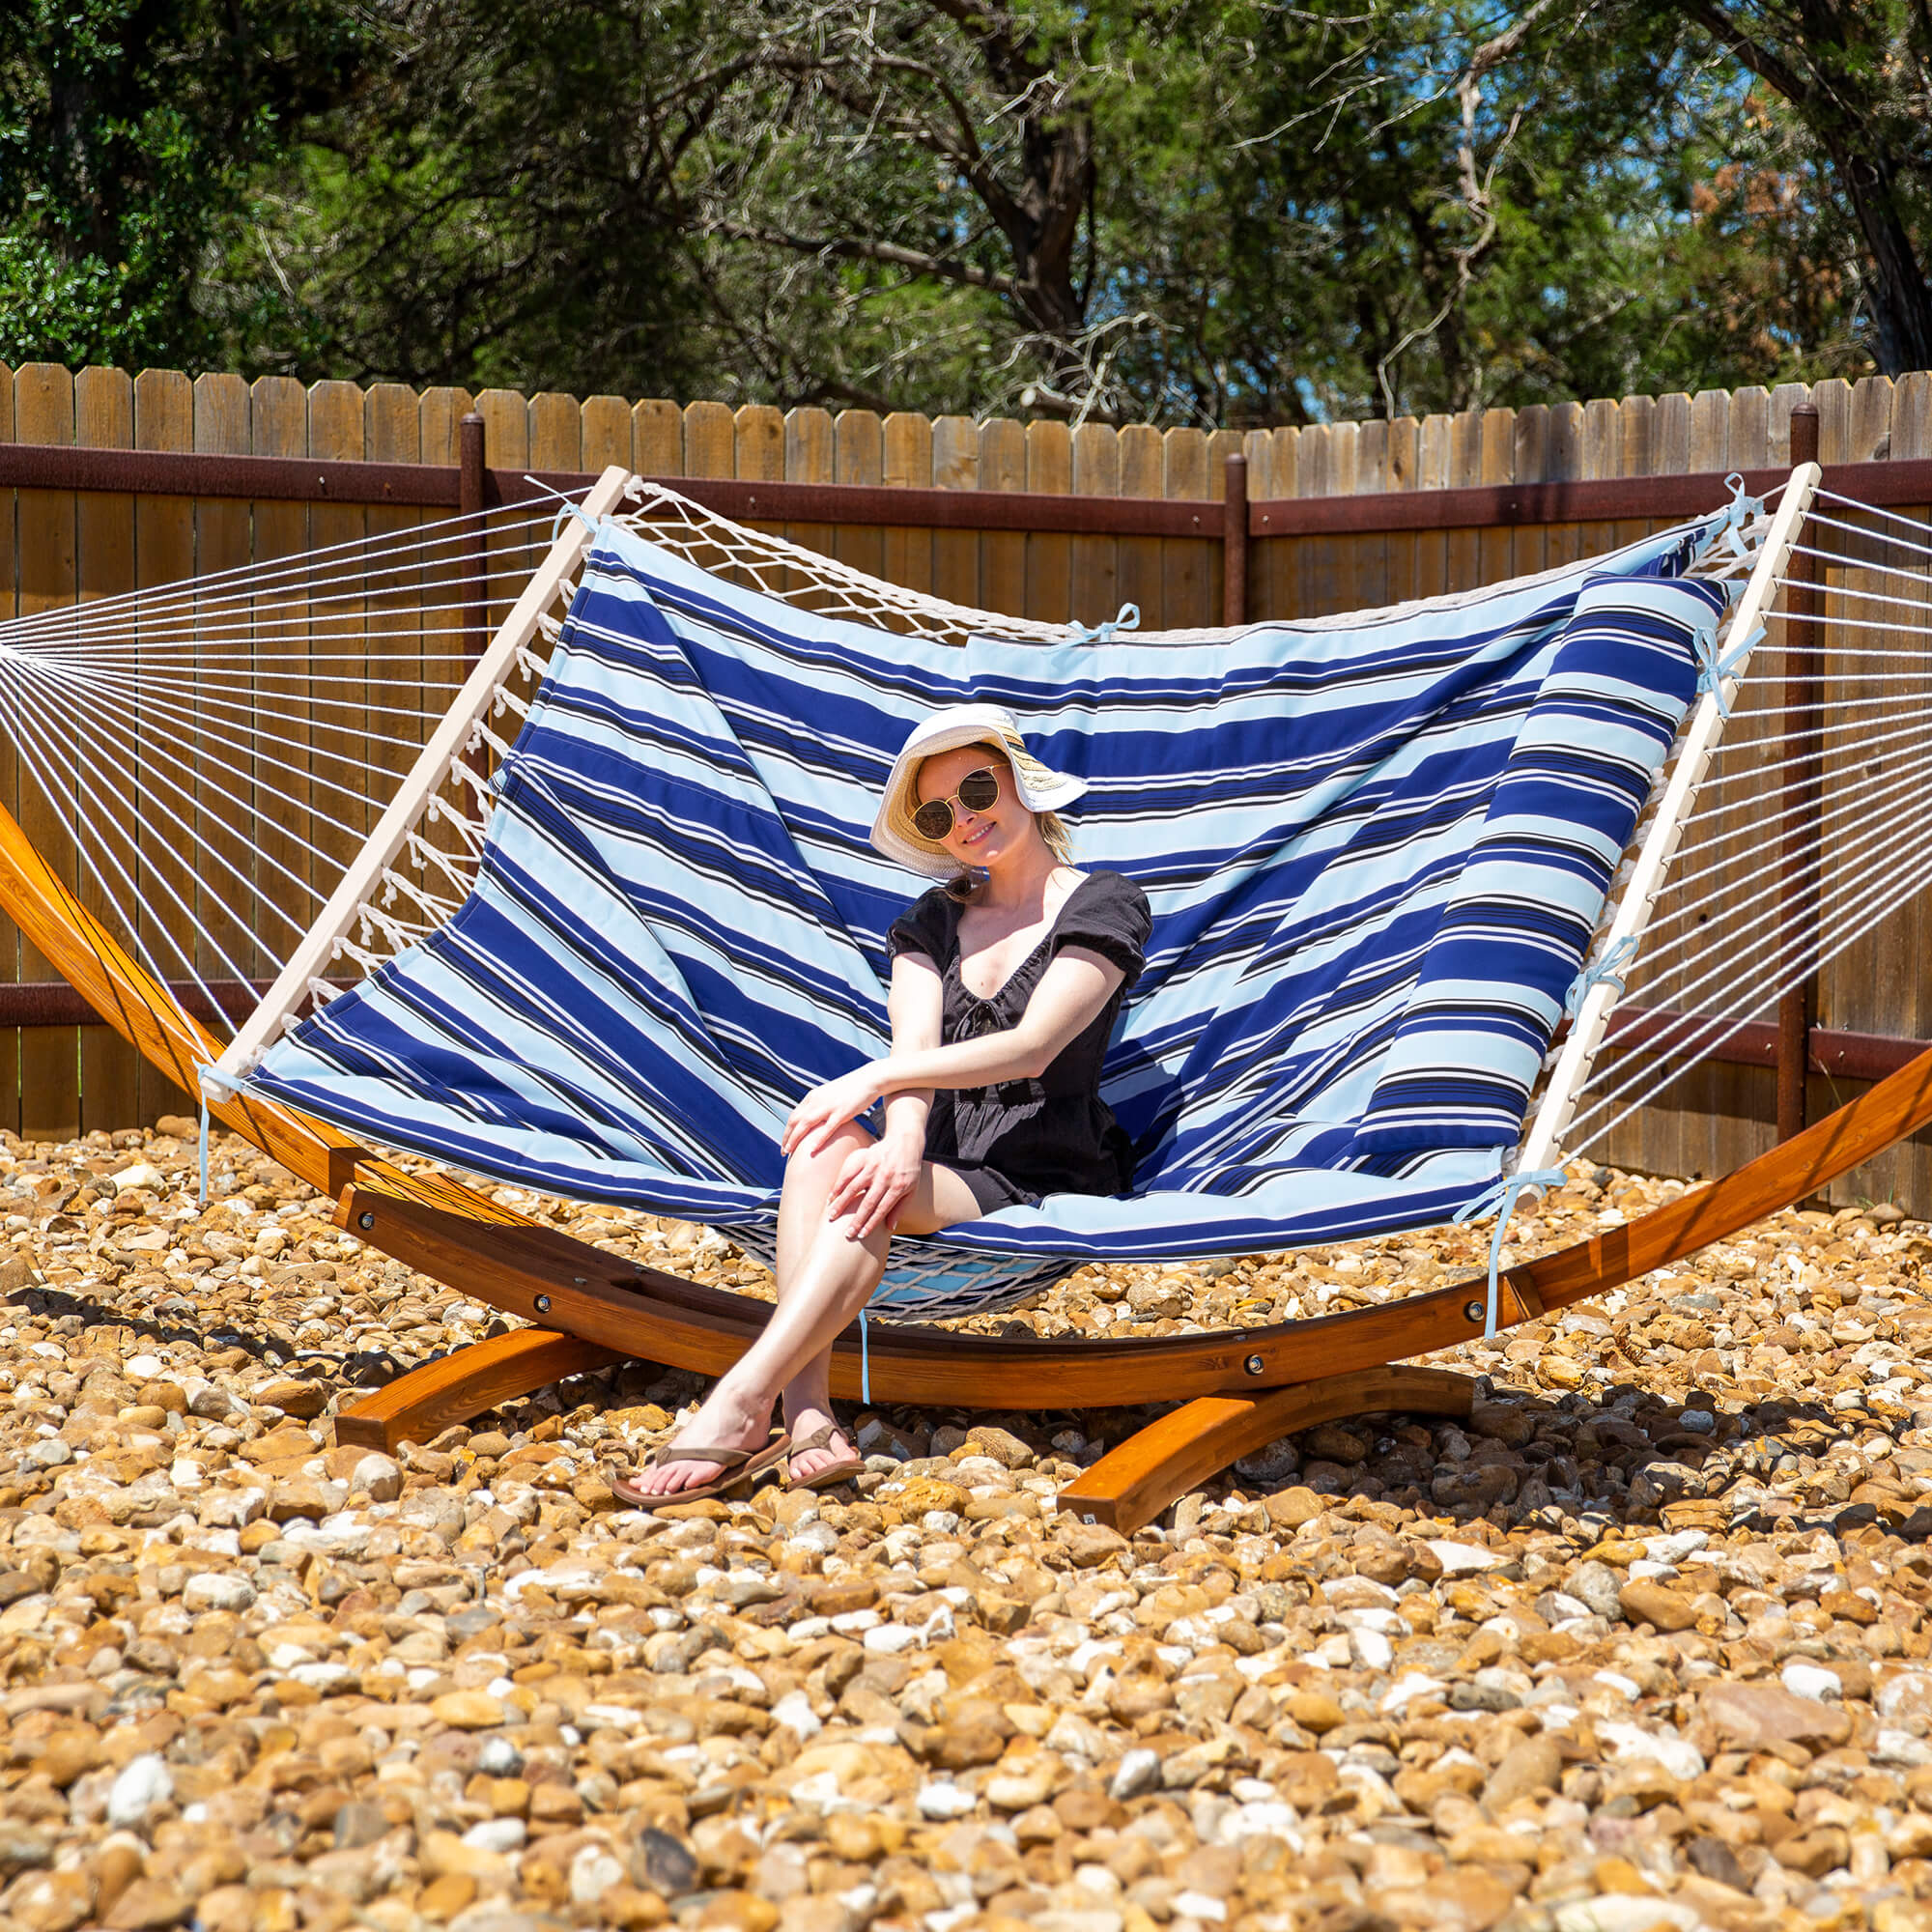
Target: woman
1006, 985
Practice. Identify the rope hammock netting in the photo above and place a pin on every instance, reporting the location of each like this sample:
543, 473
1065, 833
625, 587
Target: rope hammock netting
626, 913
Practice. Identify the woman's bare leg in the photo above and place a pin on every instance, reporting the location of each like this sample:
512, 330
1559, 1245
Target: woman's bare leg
939, 1199
825, 1277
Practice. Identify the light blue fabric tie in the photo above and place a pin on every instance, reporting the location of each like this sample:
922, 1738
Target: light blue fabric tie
1608, 971
865, 1365
1501, 1198
1739, 511
565, 507
1126, 618
1716, 669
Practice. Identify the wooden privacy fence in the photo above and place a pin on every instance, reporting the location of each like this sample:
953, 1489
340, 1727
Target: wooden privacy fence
111, 483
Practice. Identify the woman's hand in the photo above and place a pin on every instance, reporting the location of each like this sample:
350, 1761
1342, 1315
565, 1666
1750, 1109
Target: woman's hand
826, 1109
873, 1184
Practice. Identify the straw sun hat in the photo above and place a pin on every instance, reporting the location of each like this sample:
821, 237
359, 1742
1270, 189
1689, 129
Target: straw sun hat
1042, 789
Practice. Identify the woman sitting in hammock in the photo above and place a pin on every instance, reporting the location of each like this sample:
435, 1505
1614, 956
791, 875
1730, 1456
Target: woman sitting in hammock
1006, 981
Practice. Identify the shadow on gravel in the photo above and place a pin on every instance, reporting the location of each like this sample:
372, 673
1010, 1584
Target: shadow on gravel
364, 1369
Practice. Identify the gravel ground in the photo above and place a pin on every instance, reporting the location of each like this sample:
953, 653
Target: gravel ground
1642, 1646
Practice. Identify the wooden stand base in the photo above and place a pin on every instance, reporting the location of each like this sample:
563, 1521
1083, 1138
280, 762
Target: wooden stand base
1129, 1486
1132, 1485
418, 1407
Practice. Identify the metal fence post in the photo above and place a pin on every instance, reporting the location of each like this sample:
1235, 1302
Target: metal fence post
1234, 544
469, 504
1804, 714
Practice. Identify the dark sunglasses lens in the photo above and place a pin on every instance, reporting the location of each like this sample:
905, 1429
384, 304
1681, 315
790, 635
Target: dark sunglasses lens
978, 790
934, 821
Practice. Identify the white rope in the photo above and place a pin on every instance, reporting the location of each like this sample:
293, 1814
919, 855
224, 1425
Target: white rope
177, 697
1708, 1030
1861, 566
1760, 822
24, 745
1870, 510
1685, 905
78, 630
270, 572
1902, 837
192, 727
149, 776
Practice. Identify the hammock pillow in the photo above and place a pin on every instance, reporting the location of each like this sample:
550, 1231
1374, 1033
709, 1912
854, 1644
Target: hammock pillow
1375, 848
1470, 1043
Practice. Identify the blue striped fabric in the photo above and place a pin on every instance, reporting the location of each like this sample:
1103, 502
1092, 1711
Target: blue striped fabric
1375, 848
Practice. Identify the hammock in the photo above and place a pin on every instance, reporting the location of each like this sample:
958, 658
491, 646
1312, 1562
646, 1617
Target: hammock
1376, 854
268, 829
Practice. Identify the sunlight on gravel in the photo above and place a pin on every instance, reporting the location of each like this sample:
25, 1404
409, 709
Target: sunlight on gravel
1642, 1645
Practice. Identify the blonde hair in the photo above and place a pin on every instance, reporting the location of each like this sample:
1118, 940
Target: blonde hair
965, 885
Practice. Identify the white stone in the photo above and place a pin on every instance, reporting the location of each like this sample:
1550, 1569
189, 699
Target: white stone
143, 1174
612, 1717
1200, 1905
795, 1713
143, 1784
1676, 1547
1680, 1757
232, 1508
1371, 1649
1138, 1771
217, 1590
1813, 1681
1464, 1559
324, 1676
1626, 1913
891, 1639
593, 1871
378, 1476
497, 1834
1411, 1684
1262, 1818
943, 1800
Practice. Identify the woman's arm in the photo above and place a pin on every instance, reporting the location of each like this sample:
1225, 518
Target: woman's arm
874, 1181
915, 1007
1071, 993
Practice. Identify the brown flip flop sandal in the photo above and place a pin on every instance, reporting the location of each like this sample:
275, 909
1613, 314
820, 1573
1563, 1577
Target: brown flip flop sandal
842, 1471
738, 1465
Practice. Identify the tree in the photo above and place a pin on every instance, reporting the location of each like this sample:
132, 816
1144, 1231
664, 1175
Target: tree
128, 132
1857, 77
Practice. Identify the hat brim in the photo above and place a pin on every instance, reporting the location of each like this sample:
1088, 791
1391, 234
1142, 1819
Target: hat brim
1040, 788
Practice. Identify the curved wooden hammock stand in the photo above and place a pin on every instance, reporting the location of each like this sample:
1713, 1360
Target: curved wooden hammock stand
1243, 1388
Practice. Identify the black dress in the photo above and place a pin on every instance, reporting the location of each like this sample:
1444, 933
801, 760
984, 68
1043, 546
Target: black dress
1016, 1141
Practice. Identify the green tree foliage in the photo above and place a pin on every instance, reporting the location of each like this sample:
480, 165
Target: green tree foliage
1856, 76
129, 133
1219, 211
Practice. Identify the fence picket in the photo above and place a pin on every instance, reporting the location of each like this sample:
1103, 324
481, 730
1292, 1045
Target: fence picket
1002, 553
163, 554
50, 1056
103, 412
10, 776
955, 553
1185, 584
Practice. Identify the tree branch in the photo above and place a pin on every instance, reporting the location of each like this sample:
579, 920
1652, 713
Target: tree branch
859, 248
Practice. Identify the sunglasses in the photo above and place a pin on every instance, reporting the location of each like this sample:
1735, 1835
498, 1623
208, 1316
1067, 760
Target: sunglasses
978, 790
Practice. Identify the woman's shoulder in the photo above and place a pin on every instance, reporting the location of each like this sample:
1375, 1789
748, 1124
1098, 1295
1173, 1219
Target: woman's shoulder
1104, 888
1108, 914
930, 925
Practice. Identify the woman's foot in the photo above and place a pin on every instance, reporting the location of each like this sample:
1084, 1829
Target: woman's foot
723, 1422
802, 1466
